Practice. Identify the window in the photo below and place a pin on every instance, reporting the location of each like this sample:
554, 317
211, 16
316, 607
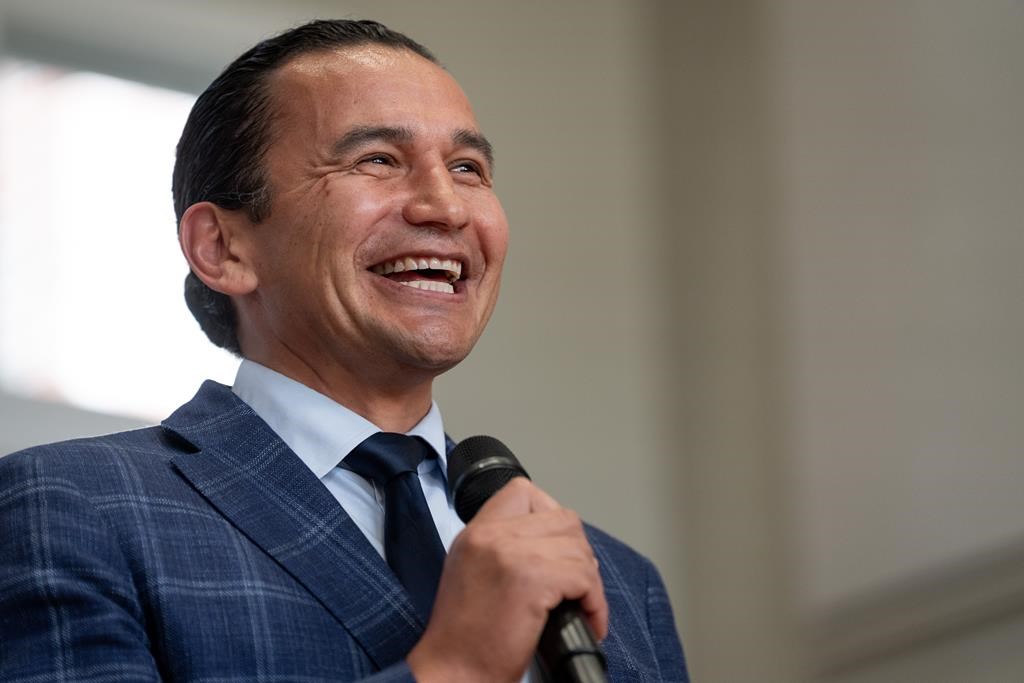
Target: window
91, 277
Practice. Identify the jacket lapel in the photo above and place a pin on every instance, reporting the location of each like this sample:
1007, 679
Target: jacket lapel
247, 473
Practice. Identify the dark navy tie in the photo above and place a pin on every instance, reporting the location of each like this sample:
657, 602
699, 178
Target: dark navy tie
411, 545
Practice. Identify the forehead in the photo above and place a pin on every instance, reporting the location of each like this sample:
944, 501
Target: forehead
327, 91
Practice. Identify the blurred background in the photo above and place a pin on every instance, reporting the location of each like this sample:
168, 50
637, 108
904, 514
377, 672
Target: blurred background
762, 317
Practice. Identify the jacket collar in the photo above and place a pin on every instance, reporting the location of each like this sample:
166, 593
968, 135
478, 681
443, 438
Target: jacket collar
252, 478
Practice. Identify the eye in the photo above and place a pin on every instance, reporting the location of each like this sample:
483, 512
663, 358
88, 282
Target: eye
467, 167
378, 165
378, 159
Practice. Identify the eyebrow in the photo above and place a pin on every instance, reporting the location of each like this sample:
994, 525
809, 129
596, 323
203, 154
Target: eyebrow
398, 135
470, 138
361, 135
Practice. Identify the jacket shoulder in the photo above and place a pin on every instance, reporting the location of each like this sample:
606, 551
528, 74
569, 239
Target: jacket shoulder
643, 643
625, 557
93, 460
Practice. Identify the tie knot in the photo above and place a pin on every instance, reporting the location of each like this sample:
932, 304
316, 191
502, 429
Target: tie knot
385, 455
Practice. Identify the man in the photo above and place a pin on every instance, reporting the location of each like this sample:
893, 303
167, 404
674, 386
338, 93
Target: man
336, 208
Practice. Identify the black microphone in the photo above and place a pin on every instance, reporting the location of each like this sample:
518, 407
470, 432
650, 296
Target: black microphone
568, 651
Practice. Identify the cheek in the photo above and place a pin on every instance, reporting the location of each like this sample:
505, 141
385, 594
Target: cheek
337, 221
352, 198
494, 237
349, 213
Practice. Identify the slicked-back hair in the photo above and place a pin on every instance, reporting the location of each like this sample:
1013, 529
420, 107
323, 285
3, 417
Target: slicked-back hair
220, 153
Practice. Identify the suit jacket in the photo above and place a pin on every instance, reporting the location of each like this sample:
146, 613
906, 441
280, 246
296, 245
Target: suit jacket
204, 550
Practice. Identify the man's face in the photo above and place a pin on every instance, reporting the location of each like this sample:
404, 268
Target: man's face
385, 242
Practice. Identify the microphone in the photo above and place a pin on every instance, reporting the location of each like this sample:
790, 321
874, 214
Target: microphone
568, 651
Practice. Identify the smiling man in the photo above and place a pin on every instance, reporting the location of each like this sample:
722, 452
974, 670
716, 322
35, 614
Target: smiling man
336, 207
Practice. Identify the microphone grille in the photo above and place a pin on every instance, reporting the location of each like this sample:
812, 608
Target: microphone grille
477, 468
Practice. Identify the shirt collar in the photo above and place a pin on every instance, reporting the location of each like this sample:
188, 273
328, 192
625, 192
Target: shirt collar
319, 430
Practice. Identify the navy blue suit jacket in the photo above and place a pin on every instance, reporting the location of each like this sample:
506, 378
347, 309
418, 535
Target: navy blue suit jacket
204, 550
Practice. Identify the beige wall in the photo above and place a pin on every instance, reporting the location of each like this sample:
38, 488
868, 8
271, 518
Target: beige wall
990, 653
762, 307
902, 167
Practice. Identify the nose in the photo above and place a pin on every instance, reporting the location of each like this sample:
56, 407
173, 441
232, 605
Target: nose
435, 200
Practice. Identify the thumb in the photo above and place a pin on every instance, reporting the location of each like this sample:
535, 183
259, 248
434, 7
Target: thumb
518, 497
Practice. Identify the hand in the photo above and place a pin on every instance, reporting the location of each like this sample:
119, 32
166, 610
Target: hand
517, 559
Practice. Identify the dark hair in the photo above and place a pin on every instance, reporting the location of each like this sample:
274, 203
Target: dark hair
220, 153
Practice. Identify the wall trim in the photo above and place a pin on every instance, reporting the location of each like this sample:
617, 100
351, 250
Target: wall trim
919, 611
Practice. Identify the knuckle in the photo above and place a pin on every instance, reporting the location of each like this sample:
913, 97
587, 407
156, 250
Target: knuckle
475, 539
506, 559
571, 519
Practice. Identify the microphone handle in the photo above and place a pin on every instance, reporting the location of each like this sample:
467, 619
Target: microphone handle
568, 650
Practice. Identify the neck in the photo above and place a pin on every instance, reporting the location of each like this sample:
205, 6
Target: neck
390, 413
392, 406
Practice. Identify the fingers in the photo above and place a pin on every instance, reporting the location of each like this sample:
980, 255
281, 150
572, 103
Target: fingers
595, 606
518, 497
572, 573
542, 502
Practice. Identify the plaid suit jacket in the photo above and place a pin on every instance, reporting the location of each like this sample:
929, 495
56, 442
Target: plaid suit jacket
204, 550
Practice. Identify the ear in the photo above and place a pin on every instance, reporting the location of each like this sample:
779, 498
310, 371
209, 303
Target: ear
213, 241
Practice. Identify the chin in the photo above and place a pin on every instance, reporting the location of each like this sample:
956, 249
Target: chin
438, 361
438, 353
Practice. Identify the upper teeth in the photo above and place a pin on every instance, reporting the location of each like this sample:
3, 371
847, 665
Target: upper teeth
452, 267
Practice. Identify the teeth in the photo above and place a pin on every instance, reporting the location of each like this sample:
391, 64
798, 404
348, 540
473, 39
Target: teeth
452, 267
430, 286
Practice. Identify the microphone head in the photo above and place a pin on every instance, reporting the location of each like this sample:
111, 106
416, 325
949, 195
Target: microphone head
477, 468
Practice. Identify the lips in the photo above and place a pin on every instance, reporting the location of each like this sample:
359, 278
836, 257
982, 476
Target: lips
429, 273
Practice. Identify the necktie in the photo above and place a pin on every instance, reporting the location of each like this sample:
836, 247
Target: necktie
411, 545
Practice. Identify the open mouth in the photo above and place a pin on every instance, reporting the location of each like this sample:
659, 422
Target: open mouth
422, 272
